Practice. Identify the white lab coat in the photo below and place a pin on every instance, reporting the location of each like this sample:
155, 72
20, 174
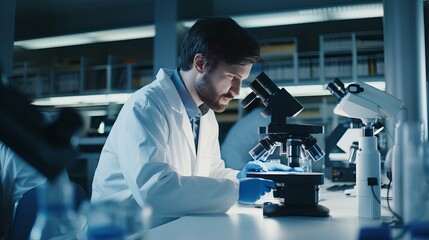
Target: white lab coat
16, 178
150, 156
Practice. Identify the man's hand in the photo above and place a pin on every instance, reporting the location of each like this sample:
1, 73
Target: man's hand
252, 166
258, 166
282, 167
251, 189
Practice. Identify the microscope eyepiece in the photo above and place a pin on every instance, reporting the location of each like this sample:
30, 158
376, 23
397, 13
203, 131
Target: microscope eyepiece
310, 145
248, 99
340, 84
263, 149
337, 89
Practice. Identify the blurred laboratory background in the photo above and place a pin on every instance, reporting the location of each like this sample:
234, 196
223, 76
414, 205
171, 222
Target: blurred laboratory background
91, 55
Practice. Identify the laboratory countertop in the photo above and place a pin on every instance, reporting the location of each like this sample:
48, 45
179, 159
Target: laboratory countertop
247, 222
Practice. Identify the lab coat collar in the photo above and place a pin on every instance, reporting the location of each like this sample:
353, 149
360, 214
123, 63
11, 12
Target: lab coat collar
200, 167
191, 108
171, 95
176, 104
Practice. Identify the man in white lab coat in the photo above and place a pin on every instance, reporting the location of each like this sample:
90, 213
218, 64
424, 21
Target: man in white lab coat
163, 149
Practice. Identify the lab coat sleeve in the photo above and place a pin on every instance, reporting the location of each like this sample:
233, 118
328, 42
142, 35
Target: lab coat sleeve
143, 139
172, 195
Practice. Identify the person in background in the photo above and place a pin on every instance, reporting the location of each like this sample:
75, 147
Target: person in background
16, 178
244, 135
163, 149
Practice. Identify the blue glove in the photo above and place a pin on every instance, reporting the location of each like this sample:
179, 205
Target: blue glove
277, 167
258, 166
296, 169
252, 166
282, 167
251, 189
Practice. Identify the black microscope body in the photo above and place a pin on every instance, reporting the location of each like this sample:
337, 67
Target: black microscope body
299, 191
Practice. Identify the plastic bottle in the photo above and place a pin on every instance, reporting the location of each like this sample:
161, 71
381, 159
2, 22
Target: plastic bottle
55, 217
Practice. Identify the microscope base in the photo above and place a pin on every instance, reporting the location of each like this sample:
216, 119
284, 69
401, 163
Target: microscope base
299, 191
278, 210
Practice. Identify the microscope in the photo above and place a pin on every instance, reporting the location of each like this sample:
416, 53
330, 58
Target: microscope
299, 190
360, 100
340, 151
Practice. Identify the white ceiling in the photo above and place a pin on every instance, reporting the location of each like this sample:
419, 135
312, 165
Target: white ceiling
42, 18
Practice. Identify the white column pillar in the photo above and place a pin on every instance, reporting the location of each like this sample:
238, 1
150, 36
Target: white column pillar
405, 74
404, 54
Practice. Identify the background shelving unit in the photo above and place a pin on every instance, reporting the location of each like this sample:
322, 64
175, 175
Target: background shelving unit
370, 55
308, 67
80, 78
279, 60
349, 56
352, 56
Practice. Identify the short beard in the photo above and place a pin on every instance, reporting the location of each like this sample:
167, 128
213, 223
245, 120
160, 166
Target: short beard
205, 91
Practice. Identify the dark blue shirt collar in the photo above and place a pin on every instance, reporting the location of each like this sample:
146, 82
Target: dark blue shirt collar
191, 108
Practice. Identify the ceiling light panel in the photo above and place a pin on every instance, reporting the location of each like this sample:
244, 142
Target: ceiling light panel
89, 37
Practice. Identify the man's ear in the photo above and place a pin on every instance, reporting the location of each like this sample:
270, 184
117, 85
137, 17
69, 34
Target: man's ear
199, 62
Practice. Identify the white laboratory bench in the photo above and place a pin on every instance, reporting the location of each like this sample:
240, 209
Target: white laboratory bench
248, 223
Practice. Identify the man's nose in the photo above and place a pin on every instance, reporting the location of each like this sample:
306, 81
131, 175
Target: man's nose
235, 87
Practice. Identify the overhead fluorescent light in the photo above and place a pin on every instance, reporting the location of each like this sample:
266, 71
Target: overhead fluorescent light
248, 21
89, 37
83, 100
357, 11
310, 90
